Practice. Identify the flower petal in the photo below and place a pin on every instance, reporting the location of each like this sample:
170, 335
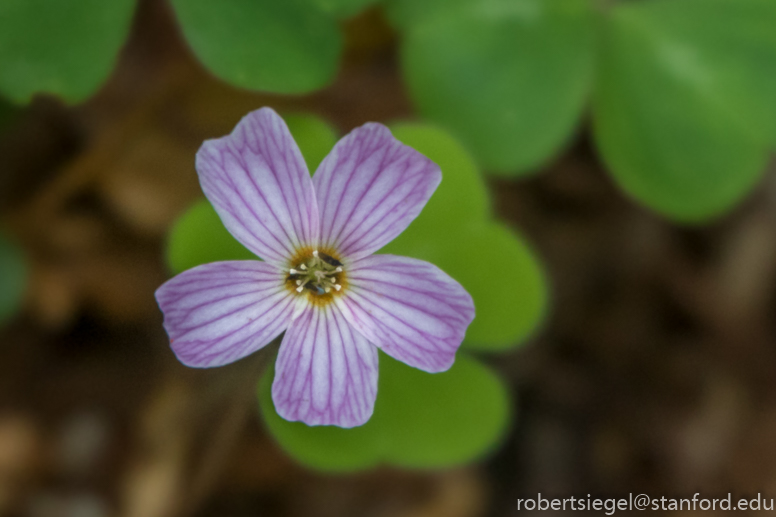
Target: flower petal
409, 308
259, 184
370, 188
326, 372
218, 313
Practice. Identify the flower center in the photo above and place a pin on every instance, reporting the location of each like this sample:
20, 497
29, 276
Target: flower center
316, 272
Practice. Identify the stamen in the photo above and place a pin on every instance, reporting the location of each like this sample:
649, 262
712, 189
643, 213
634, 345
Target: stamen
318, 272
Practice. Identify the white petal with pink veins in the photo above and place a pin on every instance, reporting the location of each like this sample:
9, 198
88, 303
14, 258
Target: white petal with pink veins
259, 184
409, 308
326, 372
370, 188
221, 312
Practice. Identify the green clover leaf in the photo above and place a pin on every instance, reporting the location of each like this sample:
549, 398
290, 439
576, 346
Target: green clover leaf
509, 77
685, 106
67, 48
283, 47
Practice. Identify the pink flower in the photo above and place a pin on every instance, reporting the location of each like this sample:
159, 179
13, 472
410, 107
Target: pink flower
319, 280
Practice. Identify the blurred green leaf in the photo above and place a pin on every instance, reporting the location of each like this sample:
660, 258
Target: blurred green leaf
13, 279
314, 136
284, 47
509, 77
499, 271
677, 100
421, 420
199, 237
343, 8
67, 48
403, 14
725, 50
443, 419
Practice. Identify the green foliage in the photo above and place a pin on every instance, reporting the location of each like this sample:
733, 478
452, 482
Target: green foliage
443, 419
509, 77
66, 48
343, 8
684, 100
13, 279
685, 109
406, 13
420, 420
287, 47
725, 50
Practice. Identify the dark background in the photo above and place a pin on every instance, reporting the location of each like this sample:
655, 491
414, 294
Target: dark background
653, 372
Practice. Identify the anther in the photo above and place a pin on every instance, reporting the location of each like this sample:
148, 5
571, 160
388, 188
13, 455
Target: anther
317, 272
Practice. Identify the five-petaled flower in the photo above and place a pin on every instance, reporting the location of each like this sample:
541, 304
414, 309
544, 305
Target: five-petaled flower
319, 280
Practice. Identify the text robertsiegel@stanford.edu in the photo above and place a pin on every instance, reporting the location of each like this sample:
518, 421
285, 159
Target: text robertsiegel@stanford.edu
644, 502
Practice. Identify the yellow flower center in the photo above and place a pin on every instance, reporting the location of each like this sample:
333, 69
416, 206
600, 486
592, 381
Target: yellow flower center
319, 274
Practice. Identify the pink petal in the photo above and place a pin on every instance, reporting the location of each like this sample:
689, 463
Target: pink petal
370, 188
259, 184
218, 313
326, 372
409, 308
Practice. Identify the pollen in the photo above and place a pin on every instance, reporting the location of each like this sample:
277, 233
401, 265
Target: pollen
316, 273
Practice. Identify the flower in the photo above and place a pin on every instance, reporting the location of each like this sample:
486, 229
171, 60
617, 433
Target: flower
319, 280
